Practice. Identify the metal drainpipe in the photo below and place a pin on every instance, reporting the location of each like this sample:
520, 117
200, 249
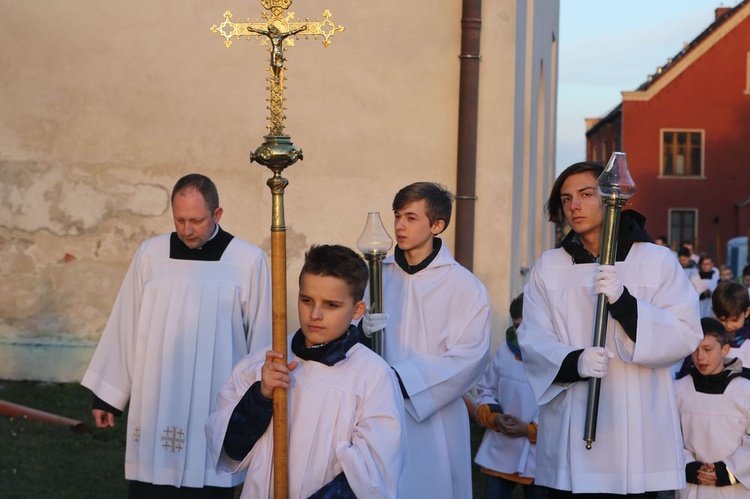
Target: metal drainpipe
466, 168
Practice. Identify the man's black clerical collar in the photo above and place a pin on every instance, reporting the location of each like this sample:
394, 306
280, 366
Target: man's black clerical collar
398, 254
209, 252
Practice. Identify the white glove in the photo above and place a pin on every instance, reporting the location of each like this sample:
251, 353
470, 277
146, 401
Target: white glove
594, 362
608, 282
372, 323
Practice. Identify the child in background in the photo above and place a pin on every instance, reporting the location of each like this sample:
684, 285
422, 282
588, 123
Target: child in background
714, 406
507, 408
346, 412
731, 306
687, 263
705, 282
726, 273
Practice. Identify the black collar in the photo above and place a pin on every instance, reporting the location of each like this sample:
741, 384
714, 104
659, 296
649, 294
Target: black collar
631, 230
210, 252
716, 383
706, 275
328, 353
437, 243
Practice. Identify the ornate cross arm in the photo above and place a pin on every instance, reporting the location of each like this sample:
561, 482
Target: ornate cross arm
278, 30
285, 26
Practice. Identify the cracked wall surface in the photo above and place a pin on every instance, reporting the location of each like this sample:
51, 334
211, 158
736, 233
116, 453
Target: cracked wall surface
65, 234
104, 105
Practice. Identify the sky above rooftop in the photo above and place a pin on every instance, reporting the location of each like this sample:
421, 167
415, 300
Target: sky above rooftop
610, 46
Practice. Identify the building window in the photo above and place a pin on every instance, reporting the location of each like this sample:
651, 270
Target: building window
682, 225
682, 153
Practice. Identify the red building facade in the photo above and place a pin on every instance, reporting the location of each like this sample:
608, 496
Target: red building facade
686, 132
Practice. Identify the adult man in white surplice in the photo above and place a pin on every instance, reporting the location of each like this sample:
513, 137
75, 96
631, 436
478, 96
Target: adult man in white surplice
192, 304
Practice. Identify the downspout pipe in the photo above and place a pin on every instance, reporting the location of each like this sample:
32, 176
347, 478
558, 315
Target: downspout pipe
468, 103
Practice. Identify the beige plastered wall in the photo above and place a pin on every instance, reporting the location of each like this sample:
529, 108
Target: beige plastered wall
104, 105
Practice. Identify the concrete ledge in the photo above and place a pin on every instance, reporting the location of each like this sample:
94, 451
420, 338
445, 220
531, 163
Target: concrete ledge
44, 360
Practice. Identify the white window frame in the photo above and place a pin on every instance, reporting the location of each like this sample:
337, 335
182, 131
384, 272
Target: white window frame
670, 211
702, 133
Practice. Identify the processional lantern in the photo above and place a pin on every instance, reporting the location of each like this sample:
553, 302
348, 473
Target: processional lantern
278, 30
374, 243
615, 187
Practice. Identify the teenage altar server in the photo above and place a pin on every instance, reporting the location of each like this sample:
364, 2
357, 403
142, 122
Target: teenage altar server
346, 415
653, 322
436, 339
192, 304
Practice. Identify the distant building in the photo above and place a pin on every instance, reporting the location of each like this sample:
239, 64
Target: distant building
686, 132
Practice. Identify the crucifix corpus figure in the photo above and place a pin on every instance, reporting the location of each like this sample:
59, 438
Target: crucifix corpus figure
276, 37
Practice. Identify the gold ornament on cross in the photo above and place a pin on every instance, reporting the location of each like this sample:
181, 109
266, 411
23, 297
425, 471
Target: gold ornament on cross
279, 29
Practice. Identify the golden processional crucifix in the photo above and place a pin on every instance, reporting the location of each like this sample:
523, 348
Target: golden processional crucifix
278, 29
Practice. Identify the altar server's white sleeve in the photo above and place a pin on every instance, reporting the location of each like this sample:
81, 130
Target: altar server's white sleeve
739, 461
257, 305
699, 284
110, 372
374, 459
245, 373
669, 326
434, 380
541, 346
488, 384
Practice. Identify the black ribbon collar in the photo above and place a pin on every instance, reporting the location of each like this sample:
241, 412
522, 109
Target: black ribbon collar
327, 353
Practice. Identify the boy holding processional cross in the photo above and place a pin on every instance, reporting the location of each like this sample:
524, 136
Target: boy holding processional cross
346, 414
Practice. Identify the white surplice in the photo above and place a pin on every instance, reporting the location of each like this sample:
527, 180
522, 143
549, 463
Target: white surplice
638, 443
504, 383
176, 330
716, 427
705, 284
437, 339
742, 353
347, 417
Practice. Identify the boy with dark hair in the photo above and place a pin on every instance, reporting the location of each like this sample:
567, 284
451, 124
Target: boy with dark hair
652, 323
715, 395
345, 408
437, 342
731, 306
683, 256
688, 244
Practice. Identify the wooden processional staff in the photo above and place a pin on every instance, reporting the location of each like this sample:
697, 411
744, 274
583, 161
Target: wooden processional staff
277, 152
